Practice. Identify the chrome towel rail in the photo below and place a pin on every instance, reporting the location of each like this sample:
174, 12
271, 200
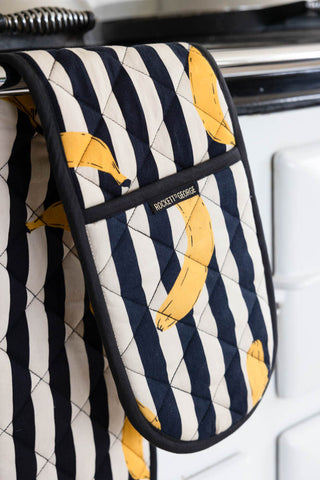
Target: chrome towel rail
237, 63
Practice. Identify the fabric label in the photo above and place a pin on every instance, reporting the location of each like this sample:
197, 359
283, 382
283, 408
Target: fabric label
175, 196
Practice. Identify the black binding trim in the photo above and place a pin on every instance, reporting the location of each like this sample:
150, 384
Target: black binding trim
262, 243
165, 185
49, 115
153, 462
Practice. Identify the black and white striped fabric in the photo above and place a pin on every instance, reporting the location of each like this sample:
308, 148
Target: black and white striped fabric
151, 168
60, 416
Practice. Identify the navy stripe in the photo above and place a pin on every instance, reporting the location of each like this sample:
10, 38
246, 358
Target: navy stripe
172, 111
215, 148
239, 249
54, 303
84, 93
160, 229
99, 412
220, 309
133, 114
18, 334
182, 53
194, 355
58, 115
142, 325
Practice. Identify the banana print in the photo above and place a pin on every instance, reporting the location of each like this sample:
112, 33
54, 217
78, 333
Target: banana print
257, 370
189, 283
132, 447
53, 216
85, 150
151, 417
205, 98
25, 104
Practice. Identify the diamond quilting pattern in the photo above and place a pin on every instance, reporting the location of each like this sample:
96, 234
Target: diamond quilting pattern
169, 353
174, 105
205, 322
52, 362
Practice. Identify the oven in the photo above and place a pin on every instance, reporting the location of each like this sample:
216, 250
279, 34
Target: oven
270, 57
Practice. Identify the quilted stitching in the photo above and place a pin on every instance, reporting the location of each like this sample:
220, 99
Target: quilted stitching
79, 407
176, 249
43, 378
236, 347
150, 144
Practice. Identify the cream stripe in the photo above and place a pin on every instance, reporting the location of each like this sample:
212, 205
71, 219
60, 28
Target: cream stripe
84, 445
6, 400
8, 121
164, 165
120, 51
181, 82
7, 457
147, 95
197, 133
157, 130
44, 60
100, 244
35, 313
146, 452
59, 76
79, 393
8, 132
79, 373
124, 153
225, 259
225, 109
169, 340
116, 412
43, 419
229, 268
162, 145
123, 149
227, 264
75, 122
116, 421
171, 62
118, 463
74, 284
144, 249
49, 472
255, 254
97, 73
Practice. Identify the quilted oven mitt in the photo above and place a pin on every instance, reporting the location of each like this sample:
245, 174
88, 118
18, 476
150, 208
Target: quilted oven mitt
151, 168
60, 416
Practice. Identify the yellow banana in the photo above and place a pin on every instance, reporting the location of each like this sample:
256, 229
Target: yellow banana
257, 370
132, 446
189, 283
151, 417
25, 104
53, 216
205, 98
85, 150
